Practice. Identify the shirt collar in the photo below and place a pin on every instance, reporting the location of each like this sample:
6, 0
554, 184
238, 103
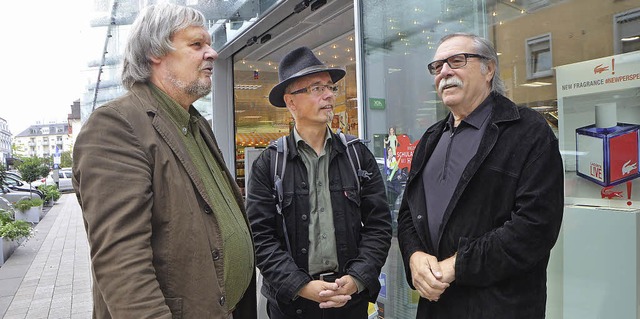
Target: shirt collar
178, 115
477, 117
300, 141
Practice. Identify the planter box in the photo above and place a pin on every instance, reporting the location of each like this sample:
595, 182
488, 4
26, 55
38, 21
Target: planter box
7, 247
31, 215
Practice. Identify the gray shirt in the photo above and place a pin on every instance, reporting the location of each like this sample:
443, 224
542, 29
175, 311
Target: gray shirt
454, 150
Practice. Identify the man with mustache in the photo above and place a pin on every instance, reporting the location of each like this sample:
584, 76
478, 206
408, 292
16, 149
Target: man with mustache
164, 218
322, 250
483, 203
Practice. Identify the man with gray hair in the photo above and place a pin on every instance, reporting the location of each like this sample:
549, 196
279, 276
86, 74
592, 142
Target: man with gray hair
165, 221
484, 199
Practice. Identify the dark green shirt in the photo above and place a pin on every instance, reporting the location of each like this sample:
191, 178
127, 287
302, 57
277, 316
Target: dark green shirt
237, 250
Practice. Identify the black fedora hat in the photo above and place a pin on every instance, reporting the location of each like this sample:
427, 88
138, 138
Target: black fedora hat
296, 64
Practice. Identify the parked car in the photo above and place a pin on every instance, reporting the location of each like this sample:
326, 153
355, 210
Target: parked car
64, 180
13, 195
16, 184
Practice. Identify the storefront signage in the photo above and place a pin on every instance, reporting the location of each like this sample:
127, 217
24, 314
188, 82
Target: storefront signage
377, 104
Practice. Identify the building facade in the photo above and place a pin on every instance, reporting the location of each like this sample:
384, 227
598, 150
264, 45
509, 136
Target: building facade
5, 141
43, 140
563, 58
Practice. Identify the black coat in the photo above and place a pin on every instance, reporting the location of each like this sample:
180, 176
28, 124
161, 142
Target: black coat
503, 218
362, 221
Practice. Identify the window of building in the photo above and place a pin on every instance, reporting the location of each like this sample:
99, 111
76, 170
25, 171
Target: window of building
626, 29
539, 61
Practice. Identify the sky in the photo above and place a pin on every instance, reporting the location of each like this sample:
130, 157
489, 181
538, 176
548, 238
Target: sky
41, 59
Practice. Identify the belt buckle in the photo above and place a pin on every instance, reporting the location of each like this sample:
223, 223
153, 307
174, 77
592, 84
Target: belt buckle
328, 276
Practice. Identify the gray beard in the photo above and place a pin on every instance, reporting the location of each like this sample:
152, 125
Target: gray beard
196, 88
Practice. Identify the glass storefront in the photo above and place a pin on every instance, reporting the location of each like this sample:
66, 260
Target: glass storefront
573, 61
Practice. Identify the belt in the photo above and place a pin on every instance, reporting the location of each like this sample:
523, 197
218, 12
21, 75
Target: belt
327, 276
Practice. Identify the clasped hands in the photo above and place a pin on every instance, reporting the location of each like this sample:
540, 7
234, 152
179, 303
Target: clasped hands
330, 294
429, 276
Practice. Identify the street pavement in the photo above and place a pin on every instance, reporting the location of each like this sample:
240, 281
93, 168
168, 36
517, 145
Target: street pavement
49, 275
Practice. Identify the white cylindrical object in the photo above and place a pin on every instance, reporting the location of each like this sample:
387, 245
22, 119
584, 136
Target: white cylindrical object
606, 115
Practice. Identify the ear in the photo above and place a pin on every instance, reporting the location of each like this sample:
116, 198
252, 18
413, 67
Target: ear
288, 101
491, 70
155, 60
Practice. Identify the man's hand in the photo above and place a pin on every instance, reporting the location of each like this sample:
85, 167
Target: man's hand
336, 298
324, 293
448, 267
427, 276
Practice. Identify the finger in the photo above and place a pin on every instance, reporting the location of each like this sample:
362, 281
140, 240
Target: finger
335, 301
329, 285
436, 270
328, 293
434, 266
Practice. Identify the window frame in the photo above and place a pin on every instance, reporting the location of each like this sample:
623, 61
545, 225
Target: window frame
529, 44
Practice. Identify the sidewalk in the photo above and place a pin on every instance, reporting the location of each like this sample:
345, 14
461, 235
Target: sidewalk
49, 275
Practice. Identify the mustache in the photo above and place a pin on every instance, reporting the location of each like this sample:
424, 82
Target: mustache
450, 81
206, 65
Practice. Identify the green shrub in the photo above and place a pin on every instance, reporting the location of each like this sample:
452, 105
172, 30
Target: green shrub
25, 204
13, 229
50, 192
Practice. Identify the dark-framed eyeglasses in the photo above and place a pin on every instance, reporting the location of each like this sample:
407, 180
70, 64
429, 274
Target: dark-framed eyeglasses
455, 61
318, 89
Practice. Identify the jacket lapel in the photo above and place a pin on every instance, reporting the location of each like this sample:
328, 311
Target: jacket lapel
165, 128
415, 185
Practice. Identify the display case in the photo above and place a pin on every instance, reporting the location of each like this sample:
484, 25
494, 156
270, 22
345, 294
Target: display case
596, 257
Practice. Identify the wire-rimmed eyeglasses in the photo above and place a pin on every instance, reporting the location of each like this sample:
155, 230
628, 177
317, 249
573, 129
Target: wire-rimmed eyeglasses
318, 89
455, 61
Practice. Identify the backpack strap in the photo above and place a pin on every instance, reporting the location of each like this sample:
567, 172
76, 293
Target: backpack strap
349, 141
279, 161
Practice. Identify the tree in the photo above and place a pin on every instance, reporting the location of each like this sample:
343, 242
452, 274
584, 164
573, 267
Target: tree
65, 159
30, 170
2, 176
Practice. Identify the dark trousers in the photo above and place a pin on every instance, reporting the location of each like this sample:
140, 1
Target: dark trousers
302, 308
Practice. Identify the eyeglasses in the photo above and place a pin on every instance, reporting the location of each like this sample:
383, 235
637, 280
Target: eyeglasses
318, 89
455, 62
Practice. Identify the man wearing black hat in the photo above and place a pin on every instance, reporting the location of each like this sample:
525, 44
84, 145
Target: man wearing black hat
320, 249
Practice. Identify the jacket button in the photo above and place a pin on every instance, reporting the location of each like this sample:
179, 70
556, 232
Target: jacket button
298, 311
304, 217
222, 301
215, 254
419, 216
208, 210
304, 185
303, 251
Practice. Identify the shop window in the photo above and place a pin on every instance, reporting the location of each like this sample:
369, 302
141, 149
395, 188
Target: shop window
626, 29
539, 62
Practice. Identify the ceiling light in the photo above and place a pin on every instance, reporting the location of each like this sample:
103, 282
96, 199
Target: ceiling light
247, 86
629, 39
536, 84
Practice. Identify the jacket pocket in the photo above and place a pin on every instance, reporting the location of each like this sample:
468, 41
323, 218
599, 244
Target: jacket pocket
175, 306
353, 196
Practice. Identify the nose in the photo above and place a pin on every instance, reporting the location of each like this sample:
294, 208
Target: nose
210, 54
446, 69
327, 94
